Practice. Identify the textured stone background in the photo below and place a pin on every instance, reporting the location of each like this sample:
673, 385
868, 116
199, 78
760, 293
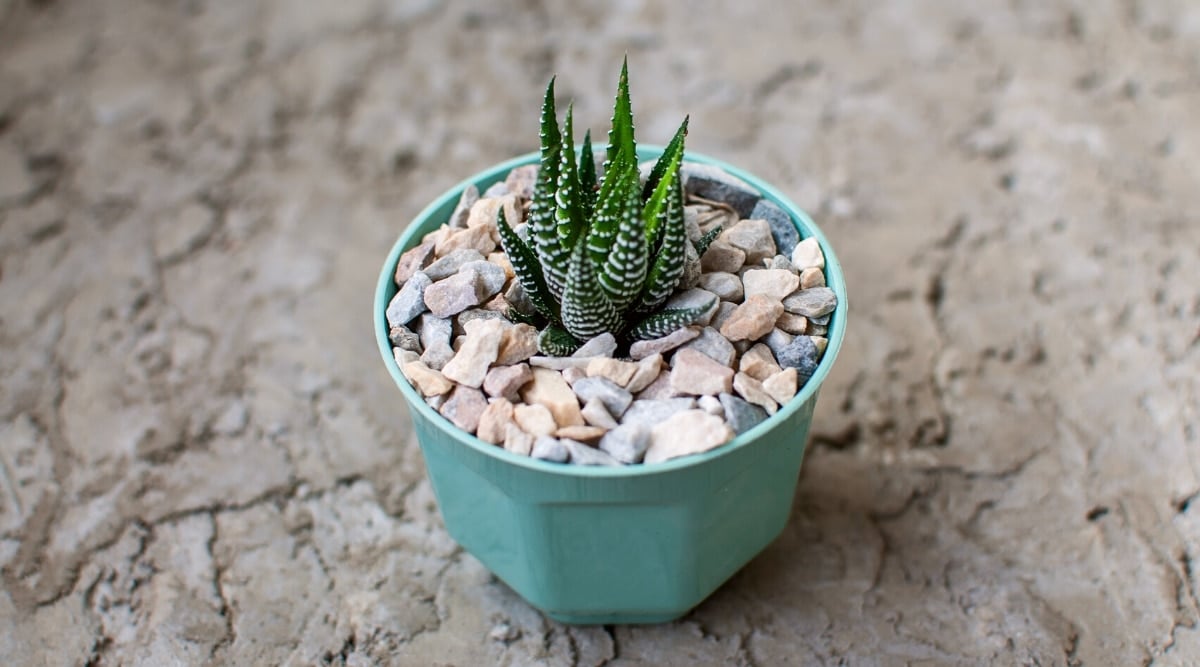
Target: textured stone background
203, 461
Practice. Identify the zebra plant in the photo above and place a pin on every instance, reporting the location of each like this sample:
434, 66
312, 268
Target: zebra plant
603, 253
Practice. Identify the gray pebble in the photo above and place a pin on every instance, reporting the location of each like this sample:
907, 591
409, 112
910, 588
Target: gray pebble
800, 354
493, 276
713, 345
436, 356
777, 340
551, 449
654, 411
780, 262
694, 298
458, 219
585, 455
627, 443
615, 399
451, 263
727, 286
603, 345
714, 183
409, 301
433, 330
404, 339
741, 415
811, 303
783, 230
471, 314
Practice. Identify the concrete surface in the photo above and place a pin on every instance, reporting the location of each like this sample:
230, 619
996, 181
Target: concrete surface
204, 462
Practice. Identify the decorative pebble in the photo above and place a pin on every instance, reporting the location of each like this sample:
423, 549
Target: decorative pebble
433, 330
615, 399
437, 355
820, 342
409, 301
495, 420
476, 238
404, 339
822, 320
517, 441
777, 340
550, 449
691, 268
647, 371
584, 455
573, 374
582, 433
603, 345
484, 212
493, 277
501, 260
694, 298
413, 260
792, 323
404, 357
695, 374
727, 286
479, 349
463, 407
800, 354
506, 381
773, 283
471, 314
651, 412
753, 319
619, 372
686, 432
780, 262
521, 180
458, 219
535, 420
716, 184
817, 330
660, 388
450, 264
455, 294
741, 415
722, 315
645, 348
722, 256
558, 363
518, 344
812, 277
782, 385
551, 390
711, 405
752, 390
713, 345
752, 237
626, 443
811, 303
807, 254
426, 380
783, 230
596, 414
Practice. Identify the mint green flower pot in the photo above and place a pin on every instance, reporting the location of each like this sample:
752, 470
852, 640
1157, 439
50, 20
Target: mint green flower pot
635, 544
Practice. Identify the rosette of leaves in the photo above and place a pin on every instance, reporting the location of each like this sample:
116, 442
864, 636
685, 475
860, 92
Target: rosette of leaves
602, 254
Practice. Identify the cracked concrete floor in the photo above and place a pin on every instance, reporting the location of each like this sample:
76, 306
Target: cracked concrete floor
203, 461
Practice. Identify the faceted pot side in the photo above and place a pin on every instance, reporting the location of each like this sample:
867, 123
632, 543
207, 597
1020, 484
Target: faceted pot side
631, 544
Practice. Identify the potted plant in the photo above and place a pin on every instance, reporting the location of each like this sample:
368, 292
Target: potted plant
611, 370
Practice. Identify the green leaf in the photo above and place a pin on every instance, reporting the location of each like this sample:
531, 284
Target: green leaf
703, 242
622, 270
664, 164
587, 176
555, 341
568, 214
665, 322
518, 317
653, 211
542, 209
610, 205
620, 137
668, 264
527, 268
586, 311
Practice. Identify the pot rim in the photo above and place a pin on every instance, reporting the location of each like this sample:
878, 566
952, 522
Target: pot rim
837, 330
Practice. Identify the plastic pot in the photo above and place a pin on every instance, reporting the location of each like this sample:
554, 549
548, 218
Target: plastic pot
631, 544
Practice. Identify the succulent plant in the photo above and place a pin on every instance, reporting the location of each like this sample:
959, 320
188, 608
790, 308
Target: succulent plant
603, 253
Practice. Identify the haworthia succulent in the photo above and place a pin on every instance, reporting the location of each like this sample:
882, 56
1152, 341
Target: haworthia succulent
703, 242
602, 251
